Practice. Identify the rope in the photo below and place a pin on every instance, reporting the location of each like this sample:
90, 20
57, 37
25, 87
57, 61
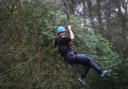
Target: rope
66, 4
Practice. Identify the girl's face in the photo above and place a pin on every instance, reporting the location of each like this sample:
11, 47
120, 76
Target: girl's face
62, 34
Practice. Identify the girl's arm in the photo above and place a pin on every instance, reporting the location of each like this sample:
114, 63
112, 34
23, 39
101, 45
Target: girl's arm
71, 34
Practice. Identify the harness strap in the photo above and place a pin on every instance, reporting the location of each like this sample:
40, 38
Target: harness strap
71, 56
74, 57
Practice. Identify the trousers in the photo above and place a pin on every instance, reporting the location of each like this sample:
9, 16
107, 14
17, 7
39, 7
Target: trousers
84, 59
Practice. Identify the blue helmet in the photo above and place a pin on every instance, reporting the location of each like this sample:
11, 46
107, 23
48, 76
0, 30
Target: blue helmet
60, 29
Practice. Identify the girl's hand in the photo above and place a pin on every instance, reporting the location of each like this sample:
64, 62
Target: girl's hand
70, 32
69, 27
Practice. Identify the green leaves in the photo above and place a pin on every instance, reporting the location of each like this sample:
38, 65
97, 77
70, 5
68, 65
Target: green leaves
29, 60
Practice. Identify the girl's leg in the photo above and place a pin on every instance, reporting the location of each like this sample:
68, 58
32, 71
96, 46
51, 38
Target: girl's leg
87, 61
85, 72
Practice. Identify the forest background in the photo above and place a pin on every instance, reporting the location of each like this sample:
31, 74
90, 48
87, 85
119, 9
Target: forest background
28, 59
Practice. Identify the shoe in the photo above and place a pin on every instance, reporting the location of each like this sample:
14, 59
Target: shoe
83, 81
104, 73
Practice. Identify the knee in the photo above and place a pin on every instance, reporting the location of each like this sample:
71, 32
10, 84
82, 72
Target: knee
83, 60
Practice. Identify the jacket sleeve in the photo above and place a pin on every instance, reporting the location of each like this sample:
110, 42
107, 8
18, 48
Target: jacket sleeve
68, 39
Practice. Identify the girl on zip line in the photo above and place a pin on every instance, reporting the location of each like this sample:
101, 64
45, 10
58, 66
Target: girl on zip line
71, 57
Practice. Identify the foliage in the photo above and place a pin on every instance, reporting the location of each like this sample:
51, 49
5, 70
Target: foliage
29, 60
